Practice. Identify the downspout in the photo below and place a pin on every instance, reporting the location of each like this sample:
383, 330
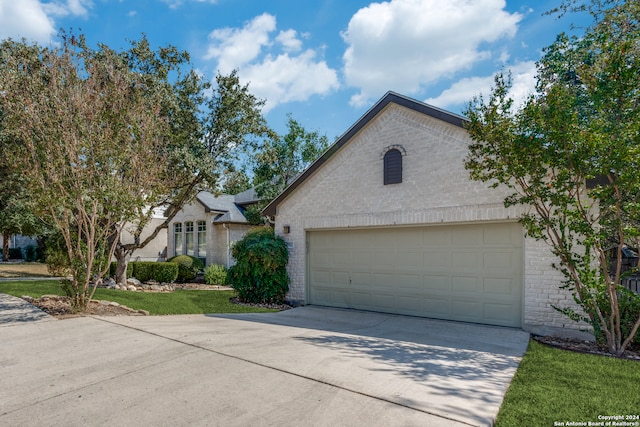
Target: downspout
226, 227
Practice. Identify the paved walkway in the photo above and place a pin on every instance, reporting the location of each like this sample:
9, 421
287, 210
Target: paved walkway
16, 310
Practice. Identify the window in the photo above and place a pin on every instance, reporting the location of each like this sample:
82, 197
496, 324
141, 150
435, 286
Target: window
392, 167
189, 238
202, 239
177, 233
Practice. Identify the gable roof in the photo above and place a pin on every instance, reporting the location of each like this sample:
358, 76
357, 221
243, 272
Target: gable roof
389, 97
224, 205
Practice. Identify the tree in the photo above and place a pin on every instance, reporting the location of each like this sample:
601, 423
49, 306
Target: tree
202, 145
581, 125
284, 157
90, 130
16, 216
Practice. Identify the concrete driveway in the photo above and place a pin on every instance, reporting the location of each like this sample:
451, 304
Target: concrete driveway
306, 366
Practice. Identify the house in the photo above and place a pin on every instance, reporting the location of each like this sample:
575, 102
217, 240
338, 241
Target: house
388, 220
156, 249
207, 227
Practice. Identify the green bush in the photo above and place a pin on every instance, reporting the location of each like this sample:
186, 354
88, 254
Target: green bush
215, 274
260, 274
188, 267
166, 272
114, 265
31, 253
15, 253
145, 271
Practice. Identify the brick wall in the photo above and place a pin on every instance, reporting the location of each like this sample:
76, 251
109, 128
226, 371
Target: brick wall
348, 191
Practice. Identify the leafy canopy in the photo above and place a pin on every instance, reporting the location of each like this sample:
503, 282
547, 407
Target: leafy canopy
581, 126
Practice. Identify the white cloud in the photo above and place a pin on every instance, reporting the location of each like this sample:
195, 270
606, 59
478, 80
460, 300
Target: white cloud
523, 77
34, 20
234, 47
404, 45
275, 65
289, 39
174, 4
285, 78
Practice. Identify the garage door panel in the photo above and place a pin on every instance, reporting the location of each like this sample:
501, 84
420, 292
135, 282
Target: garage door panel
468, 272
466, 236
408, 281
437, 237
499, 261
409, 259
467, 261
382, 259
468, 310
437, 282
499, 286
437, 259
466, 284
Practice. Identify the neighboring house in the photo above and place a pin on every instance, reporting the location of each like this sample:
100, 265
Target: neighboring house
156, 250
18, 241
388, 220
208, 227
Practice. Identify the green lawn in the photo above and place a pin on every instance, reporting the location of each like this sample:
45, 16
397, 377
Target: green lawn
559, 386
178, 302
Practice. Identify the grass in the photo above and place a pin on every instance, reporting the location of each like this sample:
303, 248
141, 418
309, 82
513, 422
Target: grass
23, 269
177, 302
559, 386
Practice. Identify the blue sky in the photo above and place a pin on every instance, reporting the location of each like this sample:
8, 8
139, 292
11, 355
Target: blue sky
326, 62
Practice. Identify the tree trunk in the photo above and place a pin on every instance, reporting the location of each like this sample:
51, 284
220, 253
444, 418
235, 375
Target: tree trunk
122, 257
5, 246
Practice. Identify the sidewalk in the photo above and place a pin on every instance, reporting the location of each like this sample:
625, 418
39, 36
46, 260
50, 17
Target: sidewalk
16, 310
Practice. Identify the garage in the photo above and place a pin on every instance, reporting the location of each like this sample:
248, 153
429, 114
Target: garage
470, 273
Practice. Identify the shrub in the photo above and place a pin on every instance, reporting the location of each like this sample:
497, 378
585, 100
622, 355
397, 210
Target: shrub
31, 253
188, 267
166, 272
114, 266
215, 274
159, 271
15, 253
260, 274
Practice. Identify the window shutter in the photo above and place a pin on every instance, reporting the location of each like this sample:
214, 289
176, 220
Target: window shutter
392, 167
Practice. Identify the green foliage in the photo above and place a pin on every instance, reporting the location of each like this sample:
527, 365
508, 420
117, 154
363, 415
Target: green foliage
583, 123
163, 272
188, 267
254, 216
31, 253
215, 274
114, 265
260, 274
285, 157
15, 253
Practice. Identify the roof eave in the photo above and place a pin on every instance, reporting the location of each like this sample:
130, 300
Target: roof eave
389, 97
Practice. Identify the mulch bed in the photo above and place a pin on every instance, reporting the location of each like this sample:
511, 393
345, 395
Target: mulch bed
589, 347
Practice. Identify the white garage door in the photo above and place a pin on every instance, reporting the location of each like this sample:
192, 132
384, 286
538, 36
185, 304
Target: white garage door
470, 273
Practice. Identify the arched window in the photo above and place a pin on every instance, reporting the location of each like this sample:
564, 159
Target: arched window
392, 167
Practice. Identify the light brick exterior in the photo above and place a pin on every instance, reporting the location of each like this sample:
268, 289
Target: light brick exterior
219, 237
348, 191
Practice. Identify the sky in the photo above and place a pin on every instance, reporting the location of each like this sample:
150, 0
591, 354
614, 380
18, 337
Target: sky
324, 62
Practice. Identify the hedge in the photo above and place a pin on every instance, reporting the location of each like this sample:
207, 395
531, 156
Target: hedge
164, 272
